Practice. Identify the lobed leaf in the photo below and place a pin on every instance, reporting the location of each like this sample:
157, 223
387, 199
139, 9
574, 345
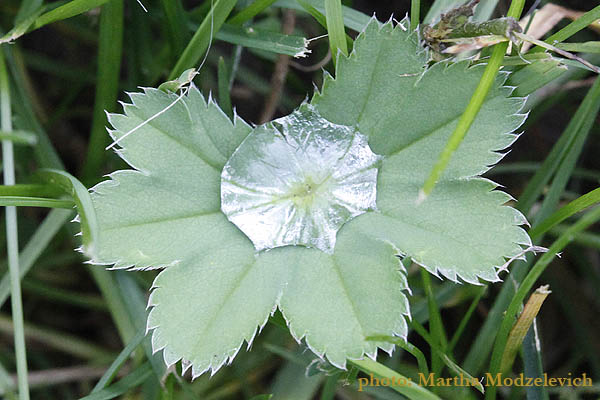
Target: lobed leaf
408, 112
218, 289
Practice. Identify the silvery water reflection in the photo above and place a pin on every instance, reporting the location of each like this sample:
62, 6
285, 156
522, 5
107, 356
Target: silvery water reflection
297, 180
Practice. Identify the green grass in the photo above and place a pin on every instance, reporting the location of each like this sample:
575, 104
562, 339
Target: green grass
69, 61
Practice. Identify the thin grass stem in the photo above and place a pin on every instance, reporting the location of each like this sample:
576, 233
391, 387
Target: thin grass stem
12, 239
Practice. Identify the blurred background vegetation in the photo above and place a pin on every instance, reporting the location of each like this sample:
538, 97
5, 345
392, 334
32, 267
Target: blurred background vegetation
78, 318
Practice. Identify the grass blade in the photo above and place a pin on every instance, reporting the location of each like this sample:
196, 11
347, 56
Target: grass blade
223, 81
532, 363
116, 365
319, 17
291, 45
6, 384
523, 324
44, 153
27, 9
335, 28
26, 201
587, 239
110, 45
465, 319
80, 196
65, 11
574, 27
132, 380
250, 12
34, 190
199, 43
577, 205
405, 345
353, 19
569, 161
19, 137
459, 372
43, 290
36, 245
561, 159
60, 341
136, 308
535, 75
176, 21
436, 326
20, 28
12, 239
410, 389
456, 370
586, 47
588, 219
467, 118
552, 161
415, 14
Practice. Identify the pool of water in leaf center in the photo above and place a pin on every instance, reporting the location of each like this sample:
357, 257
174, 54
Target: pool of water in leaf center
297, 180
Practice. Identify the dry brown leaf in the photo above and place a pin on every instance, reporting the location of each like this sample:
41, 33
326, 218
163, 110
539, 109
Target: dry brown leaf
547, 17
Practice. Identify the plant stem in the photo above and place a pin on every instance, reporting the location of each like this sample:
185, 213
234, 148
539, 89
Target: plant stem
28, 201
571, 29
509, 318
250, 12
475, 104
335, 28
109, 65
203, 37
406, 387
12, 238
436, 327
415, 11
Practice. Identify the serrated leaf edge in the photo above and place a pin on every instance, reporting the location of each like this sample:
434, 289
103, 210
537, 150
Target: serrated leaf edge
118, 264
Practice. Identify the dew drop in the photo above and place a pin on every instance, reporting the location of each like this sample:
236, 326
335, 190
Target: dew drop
297, 180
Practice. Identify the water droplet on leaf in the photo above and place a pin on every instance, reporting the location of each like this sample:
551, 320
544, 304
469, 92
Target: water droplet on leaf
297, 180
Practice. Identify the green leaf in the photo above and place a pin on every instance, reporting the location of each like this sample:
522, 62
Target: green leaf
116, 365
335, 28
167, 214
136, 378
362, 282
177, 191
201, 40
195, 170
262, 397
250, 11
353, 19
581, 203
231, 294
586, 47
22, 26
27, 201
408, 112
19, 137
291, 45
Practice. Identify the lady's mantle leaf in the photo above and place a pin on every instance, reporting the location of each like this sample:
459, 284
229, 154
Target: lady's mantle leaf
218, 291
462, 230
170, 210
205, 308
